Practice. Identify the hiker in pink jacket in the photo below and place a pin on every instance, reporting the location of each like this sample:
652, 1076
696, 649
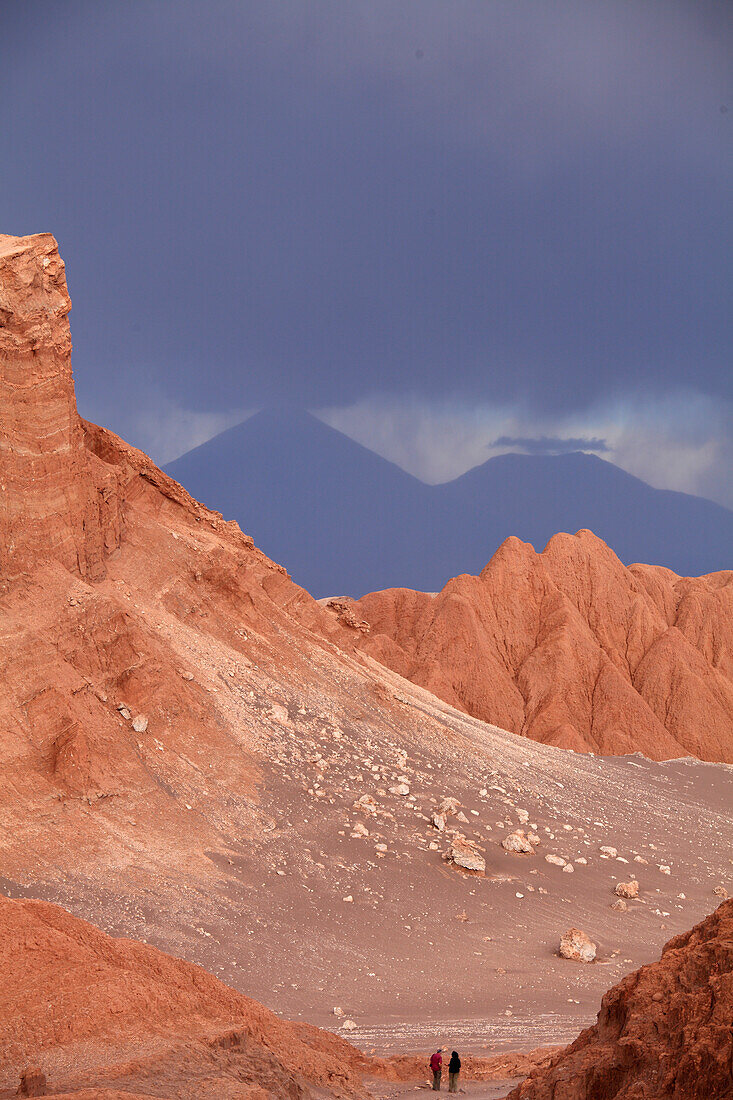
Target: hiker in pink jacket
436, 1065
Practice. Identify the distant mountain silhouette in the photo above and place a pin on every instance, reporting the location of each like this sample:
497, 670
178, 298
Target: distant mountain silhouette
345, 521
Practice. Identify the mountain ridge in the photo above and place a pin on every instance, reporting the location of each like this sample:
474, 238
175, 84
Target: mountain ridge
572, 648
345, 521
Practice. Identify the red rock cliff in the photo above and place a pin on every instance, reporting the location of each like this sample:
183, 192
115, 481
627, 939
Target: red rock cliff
56, 499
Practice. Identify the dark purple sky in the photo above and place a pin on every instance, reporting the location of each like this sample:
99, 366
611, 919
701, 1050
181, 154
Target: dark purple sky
447, 224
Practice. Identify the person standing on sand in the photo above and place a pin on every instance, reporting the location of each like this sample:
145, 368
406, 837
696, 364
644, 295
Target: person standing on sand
436, 1065
454, 1068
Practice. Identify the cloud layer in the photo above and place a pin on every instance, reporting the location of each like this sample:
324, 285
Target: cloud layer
517, 206
681, 442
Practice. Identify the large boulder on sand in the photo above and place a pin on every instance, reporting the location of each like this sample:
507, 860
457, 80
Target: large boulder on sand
576, 945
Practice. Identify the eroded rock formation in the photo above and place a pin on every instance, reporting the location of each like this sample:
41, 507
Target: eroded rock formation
571, 648
57, 500
189, 744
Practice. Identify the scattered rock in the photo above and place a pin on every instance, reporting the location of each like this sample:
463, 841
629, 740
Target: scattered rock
619, 905
366, 804
576, 945
664, 869
518, 842
720, 892
568, 869
400, 788
465, 853
607, 850
348, 1025
627, 889
140, 723
556, 861
448, 807
438, 821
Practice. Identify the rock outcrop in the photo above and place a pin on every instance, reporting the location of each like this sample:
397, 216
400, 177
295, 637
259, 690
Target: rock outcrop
91, 1009
571, 648
663, 1033
57, 500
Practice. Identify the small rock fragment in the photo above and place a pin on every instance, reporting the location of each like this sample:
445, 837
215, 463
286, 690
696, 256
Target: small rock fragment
32, 1083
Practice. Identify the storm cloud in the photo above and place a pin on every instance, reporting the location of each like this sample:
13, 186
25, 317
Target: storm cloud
515, 204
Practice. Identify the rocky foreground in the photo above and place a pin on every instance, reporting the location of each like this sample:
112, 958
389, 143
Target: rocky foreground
571, 648
81, 1012
663, 1033
197, 754
84, 1015
85, 1010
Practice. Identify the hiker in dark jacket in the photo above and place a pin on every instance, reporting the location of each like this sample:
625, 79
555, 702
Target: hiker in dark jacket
436, 1065
454, 1068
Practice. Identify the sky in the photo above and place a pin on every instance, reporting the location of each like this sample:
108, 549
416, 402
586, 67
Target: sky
450, 228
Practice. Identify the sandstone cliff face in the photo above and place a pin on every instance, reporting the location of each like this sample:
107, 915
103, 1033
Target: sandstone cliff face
663, 1033
571, 648
56, 499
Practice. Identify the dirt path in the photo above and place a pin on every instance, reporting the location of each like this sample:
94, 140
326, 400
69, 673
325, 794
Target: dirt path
472, 1090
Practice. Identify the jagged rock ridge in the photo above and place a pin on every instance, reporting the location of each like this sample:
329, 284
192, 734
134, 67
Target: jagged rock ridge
571, 648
